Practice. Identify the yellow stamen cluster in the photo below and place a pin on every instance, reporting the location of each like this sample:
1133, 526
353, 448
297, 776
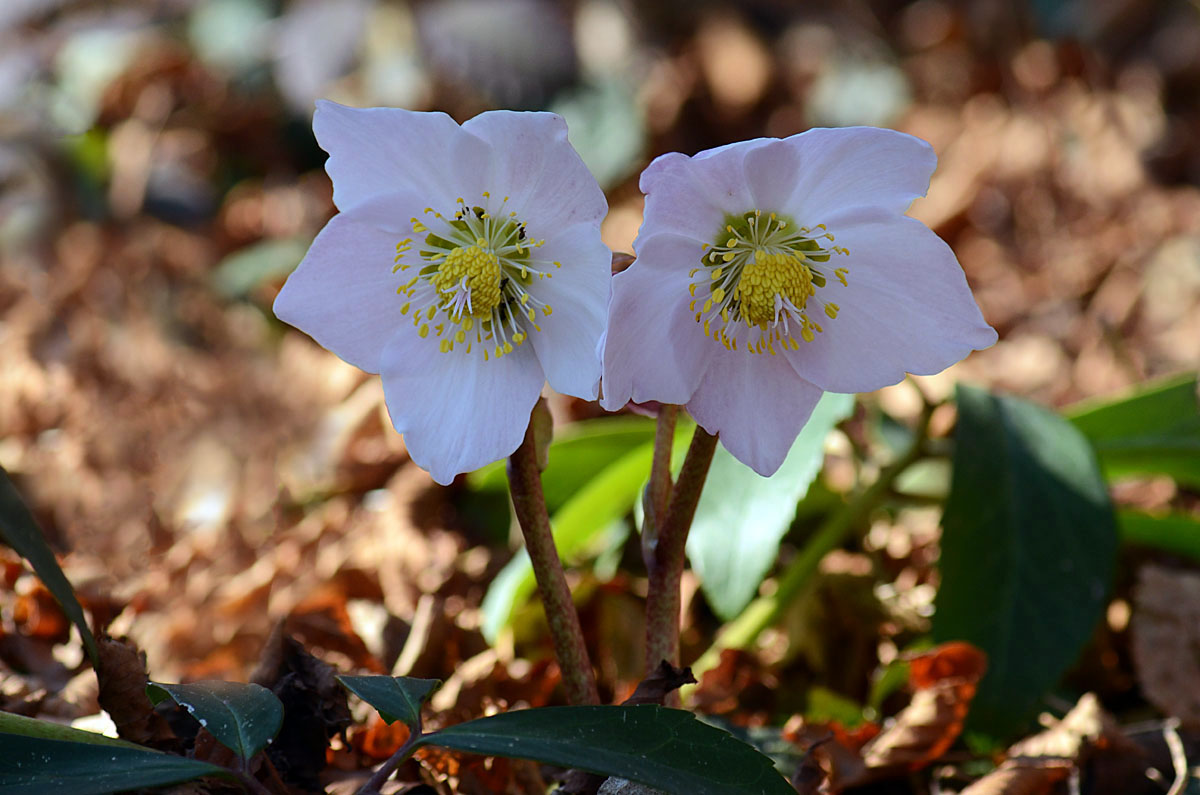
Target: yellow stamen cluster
756, 280
472, 275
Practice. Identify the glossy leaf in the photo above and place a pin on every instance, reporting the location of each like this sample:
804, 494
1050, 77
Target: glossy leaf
742, 516
1028, 551
1154, 430
40, 757
665, 748
20, 531
397, 698
243, 717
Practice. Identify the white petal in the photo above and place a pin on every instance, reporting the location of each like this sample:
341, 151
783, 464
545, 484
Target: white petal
534, 164
343, 293
756, 404
850, 167
907, 307
568, 344
692, 195
381, 150
456, 411
655, 349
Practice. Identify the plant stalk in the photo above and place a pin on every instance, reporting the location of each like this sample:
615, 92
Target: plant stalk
666, 565
377, 779
525, 484
658, 490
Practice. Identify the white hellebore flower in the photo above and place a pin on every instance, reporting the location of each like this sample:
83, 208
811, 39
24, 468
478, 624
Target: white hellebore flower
465, 267
771, 270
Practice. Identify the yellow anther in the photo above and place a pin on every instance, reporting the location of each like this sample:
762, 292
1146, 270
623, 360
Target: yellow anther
424, 331
717, 294
692, 289
832, 310
547, 310
404, 309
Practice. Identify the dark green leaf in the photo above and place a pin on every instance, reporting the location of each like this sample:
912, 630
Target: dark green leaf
398, 698
20, 531
243, 717
32, 764
30, 727
1177, 533
742, 516
1154, 430
664, 748
1028, 551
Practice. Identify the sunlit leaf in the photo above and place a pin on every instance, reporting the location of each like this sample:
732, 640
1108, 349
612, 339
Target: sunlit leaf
665, 748
1154, 430
1028, 551
243, 717
1177, 533
742, 516
19, 530
397, 698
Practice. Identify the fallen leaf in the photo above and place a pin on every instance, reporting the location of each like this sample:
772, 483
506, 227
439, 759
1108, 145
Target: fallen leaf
1166, 634
122, 675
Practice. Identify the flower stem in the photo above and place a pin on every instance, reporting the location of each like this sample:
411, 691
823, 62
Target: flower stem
377, 779
658, 490
666, 566
525, 483
766, 610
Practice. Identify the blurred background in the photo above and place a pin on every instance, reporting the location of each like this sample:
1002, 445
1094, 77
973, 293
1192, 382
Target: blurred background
208, 471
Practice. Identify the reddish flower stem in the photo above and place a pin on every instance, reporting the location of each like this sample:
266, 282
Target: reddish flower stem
525, 484
666, 568
658, 490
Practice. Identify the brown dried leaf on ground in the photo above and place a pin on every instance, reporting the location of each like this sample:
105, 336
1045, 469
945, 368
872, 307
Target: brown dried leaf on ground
1036, 764
945, 680
314, 709
739, 686
121, 669
1166, 634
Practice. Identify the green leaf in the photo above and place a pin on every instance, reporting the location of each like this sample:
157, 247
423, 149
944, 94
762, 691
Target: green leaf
19, 530
243, 717
1177, 533
742, 516
1154, 430
606, 128
579, 452
397, 698
665, 748
40, 757
1028, 551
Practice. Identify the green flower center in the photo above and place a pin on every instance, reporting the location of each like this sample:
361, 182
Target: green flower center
758, 278
471, 284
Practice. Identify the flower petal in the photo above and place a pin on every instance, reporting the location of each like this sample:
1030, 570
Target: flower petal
907, 307
343, 293
568, 344
654, 349
549, 185
379, 150
692, 195
845, 167
456, 411
756, 404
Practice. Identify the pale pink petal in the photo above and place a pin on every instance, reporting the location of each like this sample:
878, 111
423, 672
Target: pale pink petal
343, 293
547, 182
846, 167
756, 404
907, 307
568, 344
655, 350
456, 411
692, 195
380, 150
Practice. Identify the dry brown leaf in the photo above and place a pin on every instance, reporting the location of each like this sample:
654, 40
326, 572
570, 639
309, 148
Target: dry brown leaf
945, 679
121, 670
1166, 636
1036, 764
